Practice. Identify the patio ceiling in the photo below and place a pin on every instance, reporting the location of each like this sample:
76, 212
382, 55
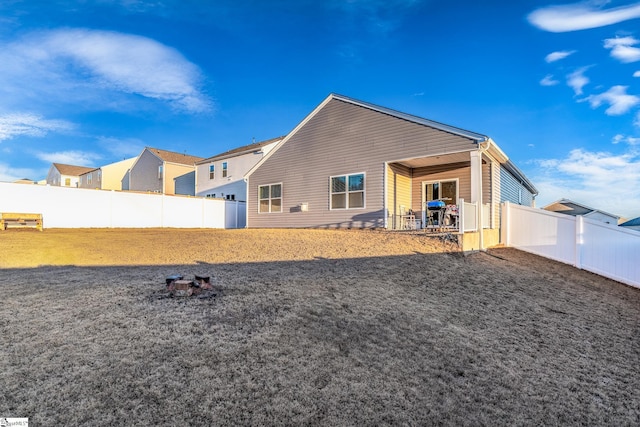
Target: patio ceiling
420, 162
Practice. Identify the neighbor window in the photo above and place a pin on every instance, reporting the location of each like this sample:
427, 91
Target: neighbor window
89, 179
347, 191
212, 171
160, 172
270, 198
67, 182
224, 169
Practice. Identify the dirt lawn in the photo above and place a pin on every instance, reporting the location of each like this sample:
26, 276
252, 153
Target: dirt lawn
308, 327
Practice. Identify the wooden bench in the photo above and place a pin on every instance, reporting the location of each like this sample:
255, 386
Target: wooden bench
11, 219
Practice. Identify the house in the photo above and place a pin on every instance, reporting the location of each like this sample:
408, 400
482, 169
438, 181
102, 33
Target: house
223, 175
354, 164
91, 179
154, 170
114, 176
24, 181
65, 175
569, 207
632, 224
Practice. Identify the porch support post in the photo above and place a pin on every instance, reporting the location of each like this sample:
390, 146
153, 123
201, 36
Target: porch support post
385, 208
476, 192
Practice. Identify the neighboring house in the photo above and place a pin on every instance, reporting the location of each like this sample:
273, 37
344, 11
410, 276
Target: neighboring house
569, 207
65, 175
185, 184
154, 170
24, 181
223, 175
91, 179
632, 224
354, 164
115, 176
108, 177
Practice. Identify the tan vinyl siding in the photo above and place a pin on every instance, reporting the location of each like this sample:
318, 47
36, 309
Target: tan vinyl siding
398, 192
342, 138
459, 171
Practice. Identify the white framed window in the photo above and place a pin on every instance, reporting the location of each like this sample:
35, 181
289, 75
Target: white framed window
89, 179
270, 198
347, 191
224, 169
160, 172
212, 171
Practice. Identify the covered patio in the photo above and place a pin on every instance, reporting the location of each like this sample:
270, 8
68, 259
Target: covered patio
454, 193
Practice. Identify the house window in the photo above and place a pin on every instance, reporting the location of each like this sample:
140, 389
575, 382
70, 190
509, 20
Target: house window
67, 182
212, 171
224, 169
270, 198
347, 191
160, 172
89, 179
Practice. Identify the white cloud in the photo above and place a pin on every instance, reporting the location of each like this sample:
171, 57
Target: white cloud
27, 124
622, 49
548, 80
619, 101
556, 56
636, 122
581, 16
89, 64
605, 181
636, 74
9, 174
71, 157
630, 140
577, 80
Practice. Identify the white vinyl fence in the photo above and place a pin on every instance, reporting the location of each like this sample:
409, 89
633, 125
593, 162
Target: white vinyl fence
85, 208
604, 249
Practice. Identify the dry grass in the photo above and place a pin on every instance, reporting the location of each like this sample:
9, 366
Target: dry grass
308, 327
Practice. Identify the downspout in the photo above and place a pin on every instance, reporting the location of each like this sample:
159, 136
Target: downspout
481, 150
246, 202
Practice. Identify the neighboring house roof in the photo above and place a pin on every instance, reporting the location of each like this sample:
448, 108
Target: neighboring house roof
569, 207
90, 170
173, 157
241, 150
476, 137
635, 222
71, 170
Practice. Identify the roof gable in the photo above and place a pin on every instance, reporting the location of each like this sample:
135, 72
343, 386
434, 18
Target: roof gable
173, 157
72, 170
473, 136
411, 118
569, 207
241, 150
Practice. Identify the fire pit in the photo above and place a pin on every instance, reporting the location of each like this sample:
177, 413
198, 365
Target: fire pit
178, 287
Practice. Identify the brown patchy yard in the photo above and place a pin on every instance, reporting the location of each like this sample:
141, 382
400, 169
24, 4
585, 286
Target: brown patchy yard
308, 327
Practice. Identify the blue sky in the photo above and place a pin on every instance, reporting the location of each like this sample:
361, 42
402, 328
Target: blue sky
556, 84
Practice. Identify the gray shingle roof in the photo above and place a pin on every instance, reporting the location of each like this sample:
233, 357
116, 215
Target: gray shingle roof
173, 157
241, 150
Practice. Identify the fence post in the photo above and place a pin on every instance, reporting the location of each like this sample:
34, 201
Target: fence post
579, 240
